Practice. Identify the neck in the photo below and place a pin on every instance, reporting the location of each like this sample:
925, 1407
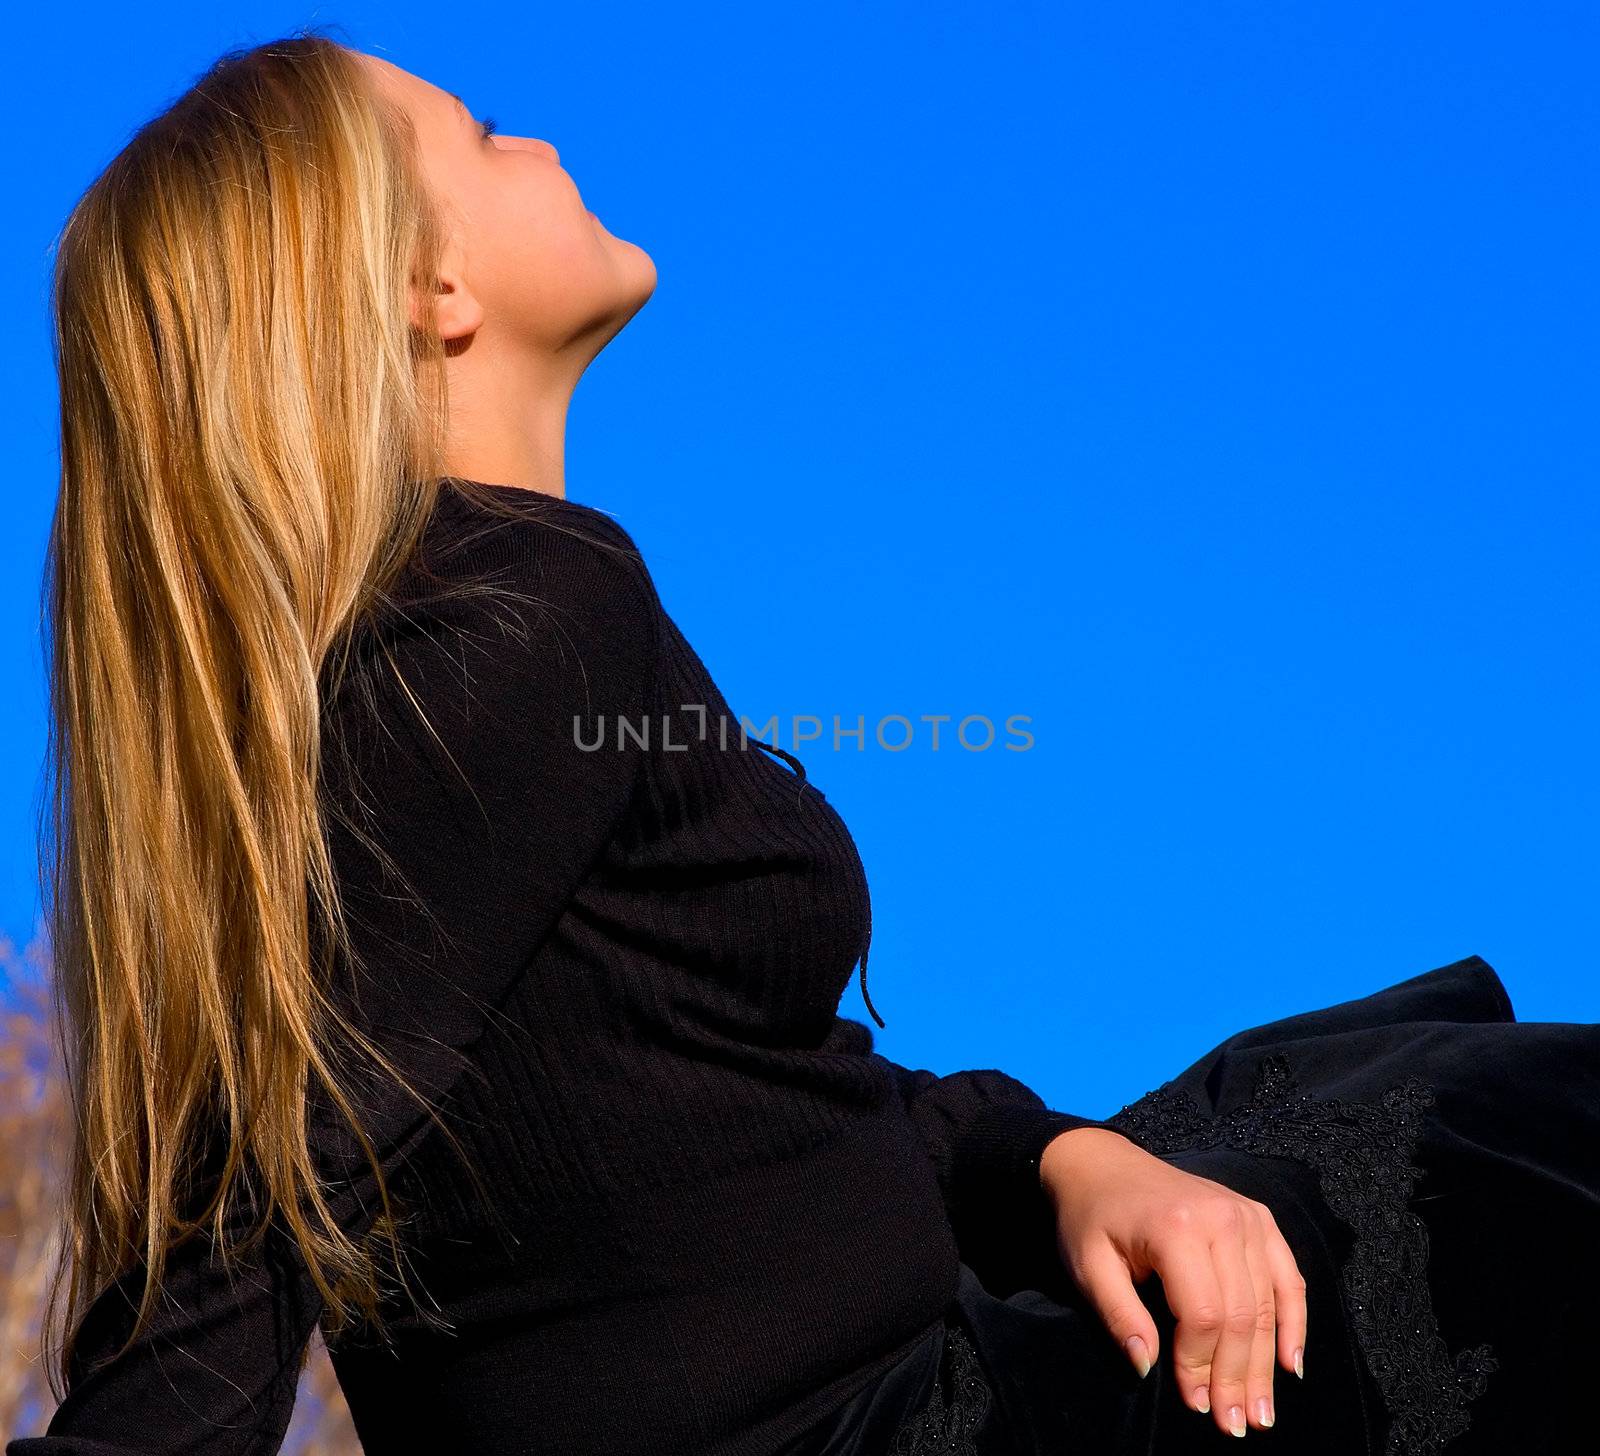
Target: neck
508, 418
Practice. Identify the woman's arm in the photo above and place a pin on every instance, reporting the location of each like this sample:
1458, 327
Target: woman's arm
985, 1133
491, 828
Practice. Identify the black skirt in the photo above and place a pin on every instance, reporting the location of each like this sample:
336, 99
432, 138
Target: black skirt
1433, 1163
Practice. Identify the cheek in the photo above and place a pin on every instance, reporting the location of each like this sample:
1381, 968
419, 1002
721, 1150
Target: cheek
543, 255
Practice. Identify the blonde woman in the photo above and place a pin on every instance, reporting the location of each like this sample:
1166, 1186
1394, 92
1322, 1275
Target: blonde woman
440, 966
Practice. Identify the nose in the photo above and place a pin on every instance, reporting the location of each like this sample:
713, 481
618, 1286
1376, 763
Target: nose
555, 156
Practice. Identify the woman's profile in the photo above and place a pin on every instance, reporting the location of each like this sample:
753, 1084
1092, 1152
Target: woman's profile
441, 966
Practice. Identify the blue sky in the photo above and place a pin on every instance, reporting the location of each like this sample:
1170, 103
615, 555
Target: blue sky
1213, 385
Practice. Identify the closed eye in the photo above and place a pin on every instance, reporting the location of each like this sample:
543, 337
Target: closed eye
486, 127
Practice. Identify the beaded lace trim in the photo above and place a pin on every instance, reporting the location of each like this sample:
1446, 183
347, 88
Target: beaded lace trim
949, 1429
1362, 1154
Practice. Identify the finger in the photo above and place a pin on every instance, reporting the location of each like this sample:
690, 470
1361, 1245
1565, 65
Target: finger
1242, 1314
1182, 1257
1258, 1407
1289, 1289
1103, 1276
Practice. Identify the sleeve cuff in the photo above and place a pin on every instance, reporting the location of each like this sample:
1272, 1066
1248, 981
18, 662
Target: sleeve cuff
1004, 1216
1000, 1150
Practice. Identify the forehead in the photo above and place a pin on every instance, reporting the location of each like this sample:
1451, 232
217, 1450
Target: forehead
417, 93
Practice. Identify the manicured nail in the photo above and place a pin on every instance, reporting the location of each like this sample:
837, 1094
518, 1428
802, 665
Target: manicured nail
1236, 1420
1140, 1354
1202, 1399
1264, 1411
1300, 1363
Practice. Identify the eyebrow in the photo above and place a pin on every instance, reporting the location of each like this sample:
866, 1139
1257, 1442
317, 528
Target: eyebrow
466, 111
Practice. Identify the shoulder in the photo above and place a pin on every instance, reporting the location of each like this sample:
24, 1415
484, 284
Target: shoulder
529, 539
506, 620
537, 563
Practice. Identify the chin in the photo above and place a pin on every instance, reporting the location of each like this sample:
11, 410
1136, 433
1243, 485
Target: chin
641, 270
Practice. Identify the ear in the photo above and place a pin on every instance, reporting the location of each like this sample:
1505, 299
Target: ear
455, 307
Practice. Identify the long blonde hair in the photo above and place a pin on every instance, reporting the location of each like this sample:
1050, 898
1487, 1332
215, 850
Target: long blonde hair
251, 444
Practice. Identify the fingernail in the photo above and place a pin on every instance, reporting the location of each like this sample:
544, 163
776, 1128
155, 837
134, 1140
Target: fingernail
1264, 1411
1202, 1399
1140, 1354
1300, 1363
1236, 1420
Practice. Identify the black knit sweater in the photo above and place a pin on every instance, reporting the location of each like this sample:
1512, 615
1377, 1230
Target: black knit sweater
706, 1211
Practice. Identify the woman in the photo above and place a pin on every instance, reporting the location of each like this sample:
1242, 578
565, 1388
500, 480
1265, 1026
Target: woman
440, 966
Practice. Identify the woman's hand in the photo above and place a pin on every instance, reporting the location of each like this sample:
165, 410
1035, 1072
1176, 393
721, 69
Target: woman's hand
1228, 1274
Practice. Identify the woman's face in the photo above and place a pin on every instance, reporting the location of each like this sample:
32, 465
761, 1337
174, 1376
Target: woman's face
538, 271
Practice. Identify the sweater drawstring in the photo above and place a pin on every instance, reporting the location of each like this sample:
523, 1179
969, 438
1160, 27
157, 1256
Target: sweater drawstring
793, 762
866, 945
800, 770
870, 1007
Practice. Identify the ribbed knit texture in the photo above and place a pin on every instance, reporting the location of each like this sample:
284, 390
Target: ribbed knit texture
708, 1212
